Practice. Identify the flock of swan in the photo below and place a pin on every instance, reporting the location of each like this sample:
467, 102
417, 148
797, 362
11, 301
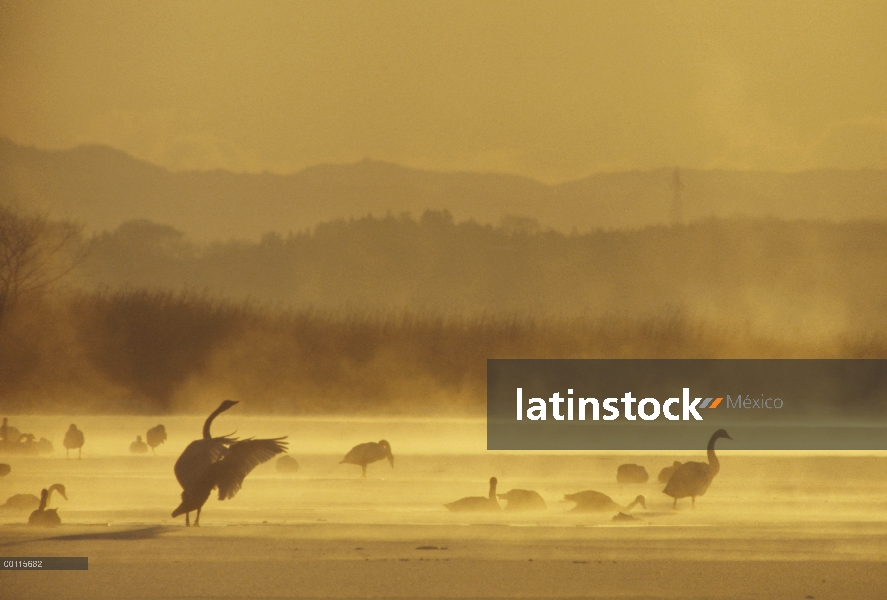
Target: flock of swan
682, 480
222, 463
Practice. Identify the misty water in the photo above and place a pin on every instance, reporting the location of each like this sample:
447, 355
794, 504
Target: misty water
436, 461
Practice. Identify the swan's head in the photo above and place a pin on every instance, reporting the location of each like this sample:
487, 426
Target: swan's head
57, 487
139, 438
387, 448
72, 427
642, 501
226, 404
721, 433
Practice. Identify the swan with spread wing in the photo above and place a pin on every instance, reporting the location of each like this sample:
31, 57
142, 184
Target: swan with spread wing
219, 462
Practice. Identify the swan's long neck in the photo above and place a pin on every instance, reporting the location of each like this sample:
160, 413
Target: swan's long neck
209, 421
713, 462
52, 488
44, 498
632, 505
493, 491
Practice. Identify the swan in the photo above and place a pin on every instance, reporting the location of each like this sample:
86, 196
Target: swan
156, 436
221, 462
21, 502
47, 517
521, 500
27, 444
477, 503
693, 478
44, 446
631, 474
364, 454
138, 446
666, 473
8, 433
30, 501
625, 517
592, 501
287, 464
73, 439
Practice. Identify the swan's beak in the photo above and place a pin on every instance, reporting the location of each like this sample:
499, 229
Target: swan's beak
391, 460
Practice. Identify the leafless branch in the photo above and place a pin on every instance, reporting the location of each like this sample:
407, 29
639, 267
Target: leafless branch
35, 253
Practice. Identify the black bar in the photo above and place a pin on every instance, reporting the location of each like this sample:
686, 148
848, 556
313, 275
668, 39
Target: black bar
781, 404
44, 563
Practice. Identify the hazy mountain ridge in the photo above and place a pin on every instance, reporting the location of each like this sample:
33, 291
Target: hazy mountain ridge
103, 188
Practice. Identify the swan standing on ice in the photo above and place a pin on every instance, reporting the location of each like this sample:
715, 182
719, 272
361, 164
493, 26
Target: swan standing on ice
222, 462
73, 439
477, 503
693, 478
156, 436
364, 454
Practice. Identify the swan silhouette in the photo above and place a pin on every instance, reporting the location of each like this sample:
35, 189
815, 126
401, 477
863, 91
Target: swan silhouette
666, 473
523, 500
73, 439
156, 436
8, 433
592, 501
287, 464
47, 517
138, 446
364, 454
30, 501
477, 503
631, 474
693, 478
220, 462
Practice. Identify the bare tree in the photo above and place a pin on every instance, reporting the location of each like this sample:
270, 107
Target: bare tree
34, 254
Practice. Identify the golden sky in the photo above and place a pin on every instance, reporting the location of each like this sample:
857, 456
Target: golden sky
552, 90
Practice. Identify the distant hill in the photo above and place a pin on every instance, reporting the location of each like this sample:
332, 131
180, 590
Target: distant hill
103, 188
777, 275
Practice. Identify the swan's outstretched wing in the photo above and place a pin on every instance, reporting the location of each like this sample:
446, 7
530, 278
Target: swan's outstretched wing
241, 458
193, 465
